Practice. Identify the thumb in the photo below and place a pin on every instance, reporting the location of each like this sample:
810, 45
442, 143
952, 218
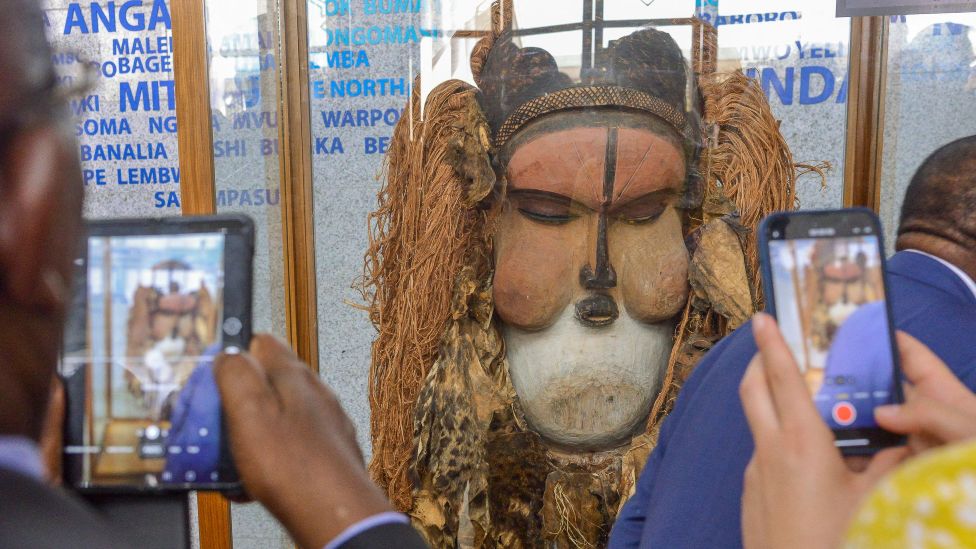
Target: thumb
925, 416
244, 389
897, 418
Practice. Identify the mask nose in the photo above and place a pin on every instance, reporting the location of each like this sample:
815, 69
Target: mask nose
603, 277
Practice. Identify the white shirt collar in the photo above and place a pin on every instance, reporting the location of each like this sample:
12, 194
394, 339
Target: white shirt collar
966, 279
21, 455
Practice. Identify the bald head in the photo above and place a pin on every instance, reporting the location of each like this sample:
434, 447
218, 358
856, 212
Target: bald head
941, 199
939, 212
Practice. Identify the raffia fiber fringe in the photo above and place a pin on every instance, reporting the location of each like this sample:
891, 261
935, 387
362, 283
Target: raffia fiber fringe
428, 221
747, 158
419, 234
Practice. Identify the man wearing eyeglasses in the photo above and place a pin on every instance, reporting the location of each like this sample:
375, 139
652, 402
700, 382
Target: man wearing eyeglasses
40, 218
295, 447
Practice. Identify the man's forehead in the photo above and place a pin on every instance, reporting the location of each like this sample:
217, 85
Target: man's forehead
572, 162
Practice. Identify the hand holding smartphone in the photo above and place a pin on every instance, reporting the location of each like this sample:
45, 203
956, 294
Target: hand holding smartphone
824, 278
155, 301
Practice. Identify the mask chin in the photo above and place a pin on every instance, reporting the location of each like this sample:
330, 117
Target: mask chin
588, 388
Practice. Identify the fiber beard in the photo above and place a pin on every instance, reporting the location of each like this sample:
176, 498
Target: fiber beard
586, 388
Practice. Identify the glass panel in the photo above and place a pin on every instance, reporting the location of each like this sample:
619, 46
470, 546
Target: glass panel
930, 98
364, 59
529, 15
590, 133
126, 120
648, 10
243, 41
799, 52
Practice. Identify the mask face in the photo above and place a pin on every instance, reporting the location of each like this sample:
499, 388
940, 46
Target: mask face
590, 269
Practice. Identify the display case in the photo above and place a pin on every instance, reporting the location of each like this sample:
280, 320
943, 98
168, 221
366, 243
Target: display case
340, 126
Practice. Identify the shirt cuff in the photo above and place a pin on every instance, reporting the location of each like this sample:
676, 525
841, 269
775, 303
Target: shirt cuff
368, 523
21, 455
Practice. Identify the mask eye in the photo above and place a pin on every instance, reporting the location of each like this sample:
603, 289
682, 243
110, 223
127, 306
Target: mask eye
641, 216
643, 210
542, 207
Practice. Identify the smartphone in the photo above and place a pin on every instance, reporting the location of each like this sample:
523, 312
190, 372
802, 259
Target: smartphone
825, 282
154, 302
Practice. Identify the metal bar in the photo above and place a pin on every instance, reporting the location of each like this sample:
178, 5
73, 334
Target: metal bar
615, 24
598, 25
586, 56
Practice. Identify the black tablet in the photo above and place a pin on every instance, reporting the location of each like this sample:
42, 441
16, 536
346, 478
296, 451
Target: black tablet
154, 302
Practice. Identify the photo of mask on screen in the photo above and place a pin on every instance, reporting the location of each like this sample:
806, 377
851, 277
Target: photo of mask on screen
830, 306
153, 307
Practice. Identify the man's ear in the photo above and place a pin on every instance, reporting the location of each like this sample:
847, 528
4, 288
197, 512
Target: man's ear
32, 196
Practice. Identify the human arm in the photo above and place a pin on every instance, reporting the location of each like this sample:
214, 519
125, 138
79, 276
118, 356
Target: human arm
296, 449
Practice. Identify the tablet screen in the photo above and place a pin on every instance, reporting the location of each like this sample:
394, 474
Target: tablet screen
148, 322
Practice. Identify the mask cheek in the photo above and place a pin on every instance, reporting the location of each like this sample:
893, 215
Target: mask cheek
533, 273
653, 275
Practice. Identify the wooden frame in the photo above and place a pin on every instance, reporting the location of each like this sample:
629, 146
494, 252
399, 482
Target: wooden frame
865, 112
295, 146
197, 184
195, 135
197, 193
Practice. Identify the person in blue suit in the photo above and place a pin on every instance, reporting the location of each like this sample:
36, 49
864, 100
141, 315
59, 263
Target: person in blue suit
690, 491
194, 442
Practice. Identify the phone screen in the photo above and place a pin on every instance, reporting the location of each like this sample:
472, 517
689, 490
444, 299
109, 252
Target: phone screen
148, 321
829, 297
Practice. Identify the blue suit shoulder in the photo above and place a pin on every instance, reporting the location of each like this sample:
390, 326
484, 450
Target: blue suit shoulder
930, 302
694, 428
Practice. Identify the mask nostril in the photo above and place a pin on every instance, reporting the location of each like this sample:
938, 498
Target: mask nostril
603, 279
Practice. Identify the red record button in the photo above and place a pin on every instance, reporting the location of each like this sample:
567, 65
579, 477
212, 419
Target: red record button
844, 413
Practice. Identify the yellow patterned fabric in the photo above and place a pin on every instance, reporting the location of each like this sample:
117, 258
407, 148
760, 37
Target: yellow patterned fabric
929, 502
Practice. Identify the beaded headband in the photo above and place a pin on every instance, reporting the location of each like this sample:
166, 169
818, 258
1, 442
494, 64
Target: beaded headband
589, 96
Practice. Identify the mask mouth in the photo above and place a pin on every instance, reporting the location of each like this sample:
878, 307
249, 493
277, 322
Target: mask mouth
597, 311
